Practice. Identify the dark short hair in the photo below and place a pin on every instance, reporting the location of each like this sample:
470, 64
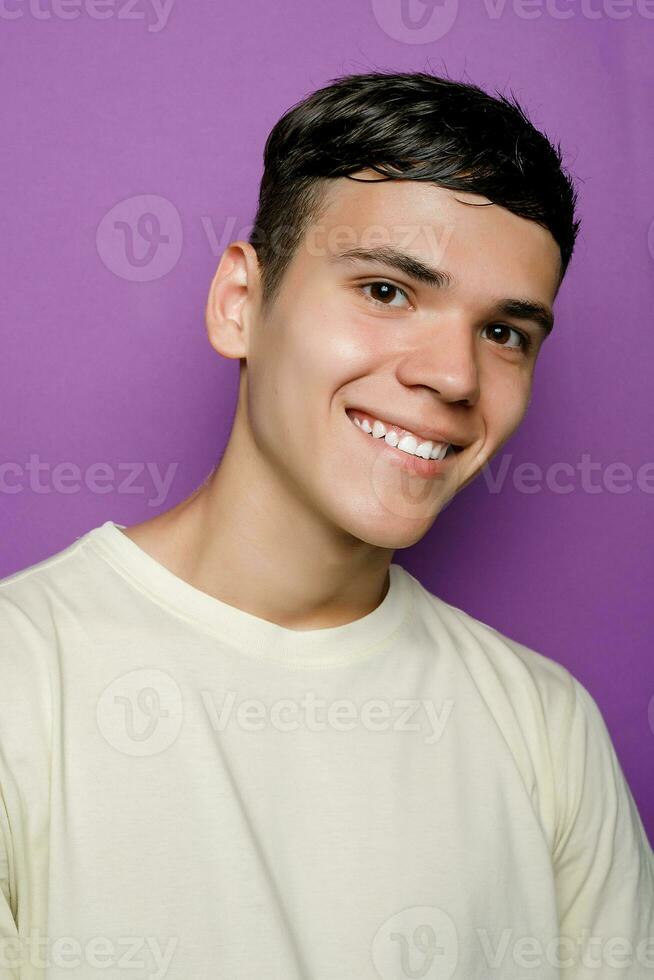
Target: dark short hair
410, 125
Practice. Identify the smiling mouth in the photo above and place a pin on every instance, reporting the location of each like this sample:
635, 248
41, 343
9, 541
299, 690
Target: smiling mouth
404, 440
402, 452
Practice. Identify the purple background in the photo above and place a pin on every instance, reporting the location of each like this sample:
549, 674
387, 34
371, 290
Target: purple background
106, 347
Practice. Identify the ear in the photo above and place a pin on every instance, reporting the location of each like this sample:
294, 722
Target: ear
233, 297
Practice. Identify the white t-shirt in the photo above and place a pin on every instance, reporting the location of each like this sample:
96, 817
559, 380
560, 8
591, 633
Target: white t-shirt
190, 792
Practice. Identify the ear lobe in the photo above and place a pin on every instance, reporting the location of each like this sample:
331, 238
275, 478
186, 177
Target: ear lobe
230, 295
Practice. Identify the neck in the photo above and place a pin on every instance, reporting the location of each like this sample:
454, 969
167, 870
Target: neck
247, 537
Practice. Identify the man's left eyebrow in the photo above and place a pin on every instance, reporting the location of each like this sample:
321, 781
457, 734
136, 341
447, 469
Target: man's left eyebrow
526, 309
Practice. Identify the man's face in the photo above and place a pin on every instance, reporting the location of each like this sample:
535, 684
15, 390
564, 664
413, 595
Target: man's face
351, 334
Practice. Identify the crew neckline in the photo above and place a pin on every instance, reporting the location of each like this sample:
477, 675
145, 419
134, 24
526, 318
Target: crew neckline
243, 630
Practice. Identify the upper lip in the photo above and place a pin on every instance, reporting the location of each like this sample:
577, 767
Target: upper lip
424, 432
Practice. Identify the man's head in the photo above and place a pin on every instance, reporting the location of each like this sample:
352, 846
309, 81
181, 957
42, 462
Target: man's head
411, 236
415, 125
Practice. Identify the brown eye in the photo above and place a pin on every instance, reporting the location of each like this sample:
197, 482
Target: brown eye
502, 329
383, 293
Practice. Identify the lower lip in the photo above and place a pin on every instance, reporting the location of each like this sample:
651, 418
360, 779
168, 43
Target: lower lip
415, 465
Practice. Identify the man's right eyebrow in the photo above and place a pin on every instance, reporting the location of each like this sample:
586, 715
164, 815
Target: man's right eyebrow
395, 258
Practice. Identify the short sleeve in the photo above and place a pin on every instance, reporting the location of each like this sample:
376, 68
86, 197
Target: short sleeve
9, 942
603, 863
15, 957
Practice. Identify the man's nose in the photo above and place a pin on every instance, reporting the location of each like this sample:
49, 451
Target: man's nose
445, 359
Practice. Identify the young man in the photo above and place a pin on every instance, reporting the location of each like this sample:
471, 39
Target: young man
236, 740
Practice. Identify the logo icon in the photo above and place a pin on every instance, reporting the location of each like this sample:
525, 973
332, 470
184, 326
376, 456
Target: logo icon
140, 713
140, 238
420, 943
409, 496
416, 21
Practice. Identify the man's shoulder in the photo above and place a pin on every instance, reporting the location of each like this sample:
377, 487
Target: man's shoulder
504, 669
49, 575
38, 604
34, 599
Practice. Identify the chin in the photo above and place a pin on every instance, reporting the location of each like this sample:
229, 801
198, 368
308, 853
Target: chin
388, 532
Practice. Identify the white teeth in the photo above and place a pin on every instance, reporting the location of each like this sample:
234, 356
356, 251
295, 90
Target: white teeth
408, 444
426, 450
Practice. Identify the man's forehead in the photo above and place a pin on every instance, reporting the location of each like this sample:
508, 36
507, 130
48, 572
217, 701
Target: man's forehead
365, 202
395, 208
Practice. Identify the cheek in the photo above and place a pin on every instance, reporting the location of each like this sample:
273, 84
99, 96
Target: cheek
294, 372
357, 345
505, 402
328, 350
